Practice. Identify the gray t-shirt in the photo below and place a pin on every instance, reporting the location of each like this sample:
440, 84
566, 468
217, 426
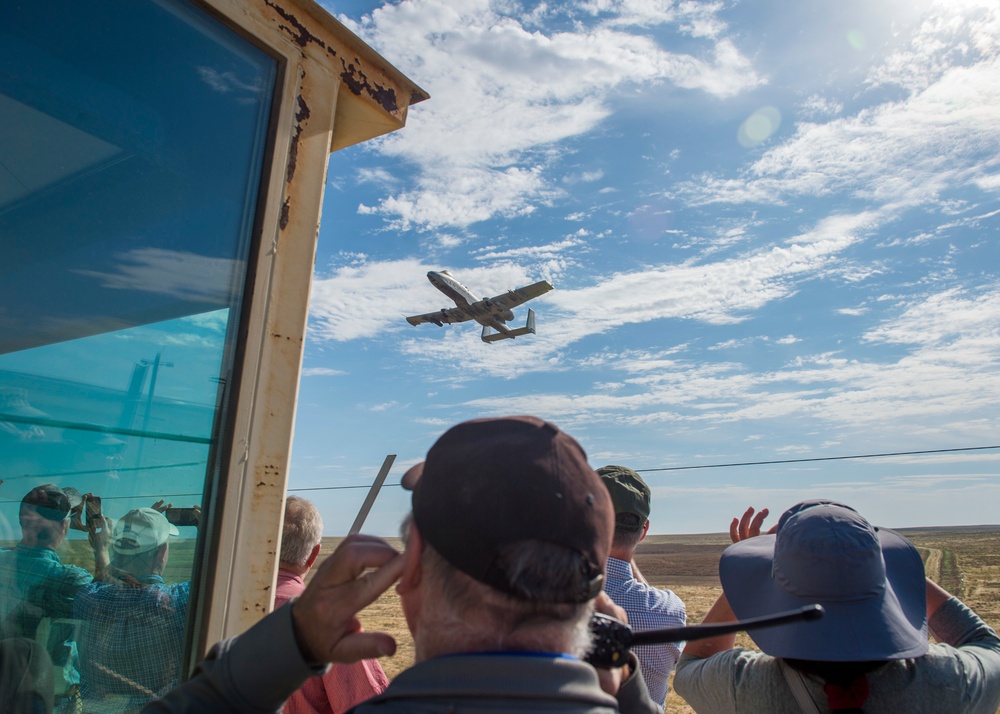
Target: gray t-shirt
962, 674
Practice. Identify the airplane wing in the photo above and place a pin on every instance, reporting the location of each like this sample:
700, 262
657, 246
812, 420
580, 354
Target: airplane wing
512, 298
445, 316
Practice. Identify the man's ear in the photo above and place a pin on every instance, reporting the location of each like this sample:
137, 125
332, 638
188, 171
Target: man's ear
160, 559
645, 528
413, 556
311, 560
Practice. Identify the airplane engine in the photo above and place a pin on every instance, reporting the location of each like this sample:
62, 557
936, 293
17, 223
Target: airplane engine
507, 316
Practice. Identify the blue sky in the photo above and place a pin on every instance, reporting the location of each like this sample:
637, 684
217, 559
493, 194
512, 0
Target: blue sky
772, 230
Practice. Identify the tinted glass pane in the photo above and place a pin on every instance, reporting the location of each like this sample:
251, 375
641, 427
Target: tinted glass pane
130, 159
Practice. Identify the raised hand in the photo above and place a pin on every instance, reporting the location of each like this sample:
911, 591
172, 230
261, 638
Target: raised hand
748, 525
325, 615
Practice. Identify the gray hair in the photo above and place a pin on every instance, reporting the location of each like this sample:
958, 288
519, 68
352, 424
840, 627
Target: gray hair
476, 616
303, 529
140, 565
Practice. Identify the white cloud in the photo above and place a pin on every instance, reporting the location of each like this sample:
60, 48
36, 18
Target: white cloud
179, 274
816, 106
717, 293
952, 33
384, 406
501, 94
734, 343
322, 372
584, 177
225, 82
215, 321
950, 318
362, 300
905, 152
942, 388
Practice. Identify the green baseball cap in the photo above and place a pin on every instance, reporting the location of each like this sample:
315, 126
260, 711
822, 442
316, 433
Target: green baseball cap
629, 493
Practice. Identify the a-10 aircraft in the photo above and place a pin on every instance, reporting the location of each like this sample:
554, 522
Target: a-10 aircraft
492, 313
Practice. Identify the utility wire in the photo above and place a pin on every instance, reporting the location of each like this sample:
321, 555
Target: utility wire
740, 463
152, 497
90, 472
823, 458
924, 452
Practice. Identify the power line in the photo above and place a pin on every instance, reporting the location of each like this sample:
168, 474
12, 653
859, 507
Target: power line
924, 452
823, 458
140, 497
339, 488
102, 429
739, 463
90, 472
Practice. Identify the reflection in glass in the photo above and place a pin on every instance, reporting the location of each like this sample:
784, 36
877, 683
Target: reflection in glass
126, 207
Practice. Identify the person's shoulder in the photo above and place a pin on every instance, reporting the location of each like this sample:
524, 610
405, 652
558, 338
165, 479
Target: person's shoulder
668, 598
717, 682
90, 596
76, 574
58, 574
654, 598
944, 655
181, 590
734, 664
92, 588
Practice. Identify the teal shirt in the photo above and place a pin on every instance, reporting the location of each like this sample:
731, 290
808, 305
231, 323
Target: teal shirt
34, 584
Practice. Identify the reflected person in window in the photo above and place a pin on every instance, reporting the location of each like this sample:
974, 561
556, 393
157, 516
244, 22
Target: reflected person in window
34, 582
132, 629
36, 586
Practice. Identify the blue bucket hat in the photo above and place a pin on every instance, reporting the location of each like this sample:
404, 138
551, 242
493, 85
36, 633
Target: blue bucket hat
870, 581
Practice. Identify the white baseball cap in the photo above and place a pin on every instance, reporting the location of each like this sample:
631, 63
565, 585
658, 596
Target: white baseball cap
141, 530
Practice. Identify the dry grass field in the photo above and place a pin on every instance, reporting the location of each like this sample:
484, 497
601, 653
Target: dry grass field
966, 561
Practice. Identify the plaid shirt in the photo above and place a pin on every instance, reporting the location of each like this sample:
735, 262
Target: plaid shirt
131, 642
648, 608
34, 584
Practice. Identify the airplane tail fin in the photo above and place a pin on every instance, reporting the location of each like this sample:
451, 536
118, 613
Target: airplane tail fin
489, 335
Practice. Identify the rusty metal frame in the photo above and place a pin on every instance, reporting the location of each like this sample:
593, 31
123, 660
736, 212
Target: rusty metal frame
335, 91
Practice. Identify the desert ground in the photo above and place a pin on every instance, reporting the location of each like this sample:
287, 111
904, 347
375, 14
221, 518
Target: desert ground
965, 561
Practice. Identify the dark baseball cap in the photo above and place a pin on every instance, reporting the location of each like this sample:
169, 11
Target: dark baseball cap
491, 483
629, 492
48, 501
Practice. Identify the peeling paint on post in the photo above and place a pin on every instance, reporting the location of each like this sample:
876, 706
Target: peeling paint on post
298, 32
301, 116
357, 81
312, 117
